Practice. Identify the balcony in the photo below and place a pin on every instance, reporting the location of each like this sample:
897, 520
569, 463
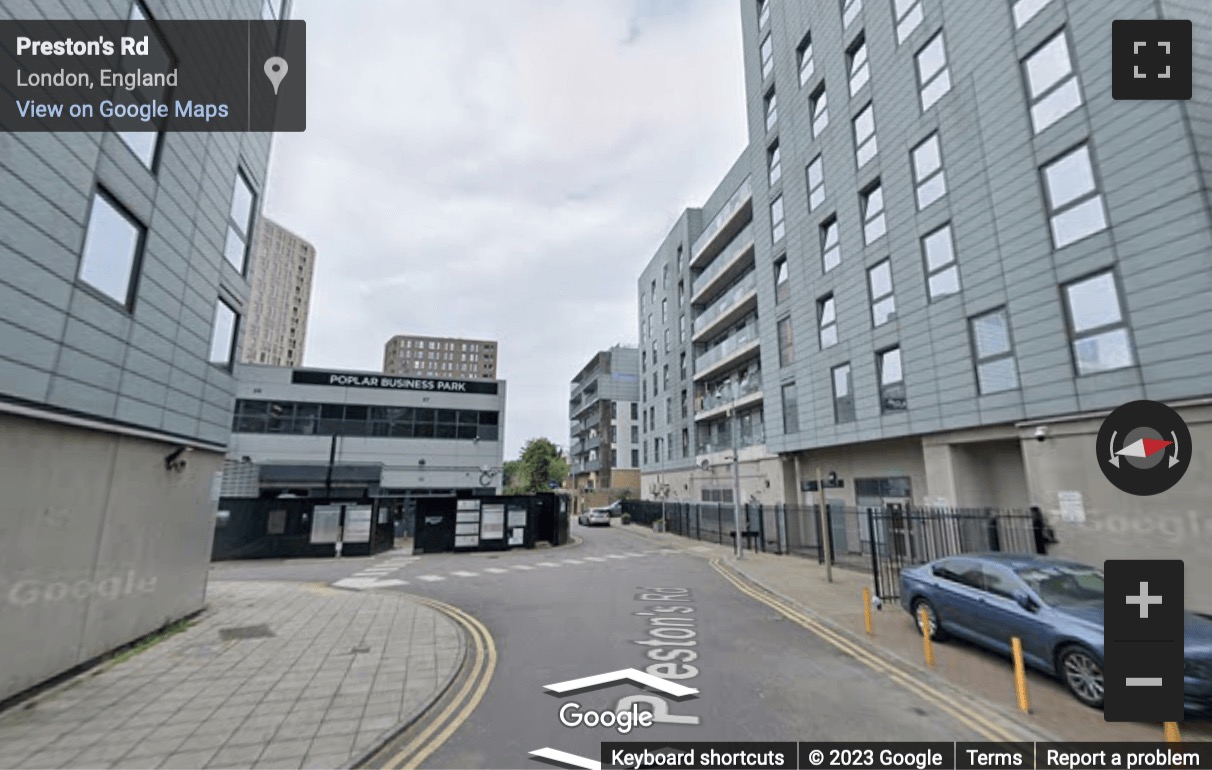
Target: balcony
719, 401
582, 408
732, 306
725, 267
755, 436
724, 226
739, 347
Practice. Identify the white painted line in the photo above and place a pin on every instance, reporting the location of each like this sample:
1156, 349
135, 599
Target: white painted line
546, 564
495, 570
430, 578
594, 558
614, 556
522, 566
573, 561
651, 681
465, 573
380, 571
362, 584
564, 758
1144, 681
700, 548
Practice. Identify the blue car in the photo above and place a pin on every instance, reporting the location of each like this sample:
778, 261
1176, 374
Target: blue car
1054, 606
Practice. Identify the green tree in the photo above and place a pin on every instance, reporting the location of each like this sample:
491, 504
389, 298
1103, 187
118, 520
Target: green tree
540, 464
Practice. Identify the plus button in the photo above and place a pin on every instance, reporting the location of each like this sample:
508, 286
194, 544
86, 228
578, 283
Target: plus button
1144, 600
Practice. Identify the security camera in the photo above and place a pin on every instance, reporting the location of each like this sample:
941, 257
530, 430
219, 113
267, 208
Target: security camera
705, 464
175, 460
1041, 433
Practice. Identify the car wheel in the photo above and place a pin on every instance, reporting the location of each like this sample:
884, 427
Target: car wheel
936, 631
1082, 673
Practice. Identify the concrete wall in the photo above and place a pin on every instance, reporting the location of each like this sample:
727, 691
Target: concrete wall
1176, 524
99, 544
878, 459
756, 470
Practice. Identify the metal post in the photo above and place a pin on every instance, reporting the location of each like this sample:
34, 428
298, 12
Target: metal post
826, 535
332, 458
736, 482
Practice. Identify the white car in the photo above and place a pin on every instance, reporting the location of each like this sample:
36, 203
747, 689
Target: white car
595, 516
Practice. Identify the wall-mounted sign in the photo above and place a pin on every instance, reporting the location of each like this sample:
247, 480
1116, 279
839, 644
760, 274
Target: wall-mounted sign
811, 486
357, 524
276, 525
388, 382
493, 525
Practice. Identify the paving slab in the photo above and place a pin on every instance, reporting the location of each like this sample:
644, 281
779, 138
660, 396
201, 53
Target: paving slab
341, 672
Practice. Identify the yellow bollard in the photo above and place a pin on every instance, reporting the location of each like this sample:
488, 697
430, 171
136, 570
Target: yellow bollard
1020, 675
867, 609
1172, 735
927, 642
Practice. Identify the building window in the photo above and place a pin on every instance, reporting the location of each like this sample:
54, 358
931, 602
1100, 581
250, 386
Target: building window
1051, 82
782, 280
683, 364
635, 411
1025, 10
996, 370
826, 312
239, 225
786, 342
928, 176
791, 410
223, 334
614, 458
680, 260
113, 244
685, 403
145, 144
645, 452
892, 381
772, 109
803, 55
816, 183
664, 310
908, 14
666, 340
850, 11
665, 378
1097, 326
942, 274
774, 166
933, 78
763, 12
883, 302
843, 394
864, 136
818, 105
831, 247
767, 56
685, 442
873, 213
682, 328
681, 293
614, 415
635, 458
1075, 207
777, 224
858, 70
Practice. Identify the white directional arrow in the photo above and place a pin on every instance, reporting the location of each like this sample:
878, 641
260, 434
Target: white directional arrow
564, 758
651, 681
362, 584
1174, 457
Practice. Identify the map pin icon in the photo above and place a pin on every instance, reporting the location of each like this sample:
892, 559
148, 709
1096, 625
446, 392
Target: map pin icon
275, 70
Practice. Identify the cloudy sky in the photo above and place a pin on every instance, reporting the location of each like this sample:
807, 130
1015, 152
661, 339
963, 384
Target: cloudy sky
502, 169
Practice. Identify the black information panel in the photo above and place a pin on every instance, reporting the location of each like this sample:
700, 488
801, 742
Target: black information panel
1143, 641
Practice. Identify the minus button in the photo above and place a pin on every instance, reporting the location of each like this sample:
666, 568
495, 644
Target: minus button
1143, 681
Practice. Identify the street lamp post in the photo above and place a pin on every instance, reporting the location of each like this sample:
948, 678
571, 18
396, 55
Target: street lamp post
736, 481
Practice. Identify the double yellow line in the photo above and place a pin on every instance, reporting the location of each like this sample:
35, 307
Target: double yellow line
990, 730
460, 707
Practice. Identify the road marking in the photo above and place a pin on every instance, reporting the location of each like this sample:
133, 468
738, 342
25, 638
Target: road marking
465, 702
977, 722
378, 571
634, 675
564, 758
702, 548
495, 570
614, 556
362, 584
573, 561
464, 573
546, 564
594, 558
430, 578
522, 566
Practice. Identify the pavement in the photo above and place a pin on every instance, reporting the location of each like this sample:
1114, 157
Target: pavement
270, 675
838, 604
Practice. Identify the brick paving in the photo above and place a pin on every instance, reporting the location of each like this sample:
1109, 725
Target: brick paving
339, 673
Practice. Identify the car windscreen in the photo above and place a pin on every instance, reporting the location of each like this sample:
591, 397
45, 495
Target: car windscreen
1064, 586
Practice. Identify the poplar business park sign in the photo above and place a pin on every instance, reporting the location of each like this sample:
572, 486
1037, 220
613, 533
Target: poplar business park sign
387, 382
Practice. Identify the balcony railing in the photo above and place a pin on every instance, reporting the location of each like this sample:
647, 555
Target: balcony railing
755, 436
726, 348
722, 396
725, 302
743, 241
737, 202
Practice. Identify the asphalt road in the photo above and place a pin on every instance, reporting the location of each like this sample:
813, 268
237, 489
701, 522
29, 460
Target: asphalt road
760, 677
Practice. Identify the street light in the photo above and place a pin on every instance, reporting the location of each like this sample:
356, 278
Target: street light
736, 476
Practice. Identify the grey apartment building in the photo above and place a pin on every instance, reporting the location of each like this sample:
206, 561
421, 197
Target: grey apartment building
123, 282
967, 253
604, 417
451, 358
281, 269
